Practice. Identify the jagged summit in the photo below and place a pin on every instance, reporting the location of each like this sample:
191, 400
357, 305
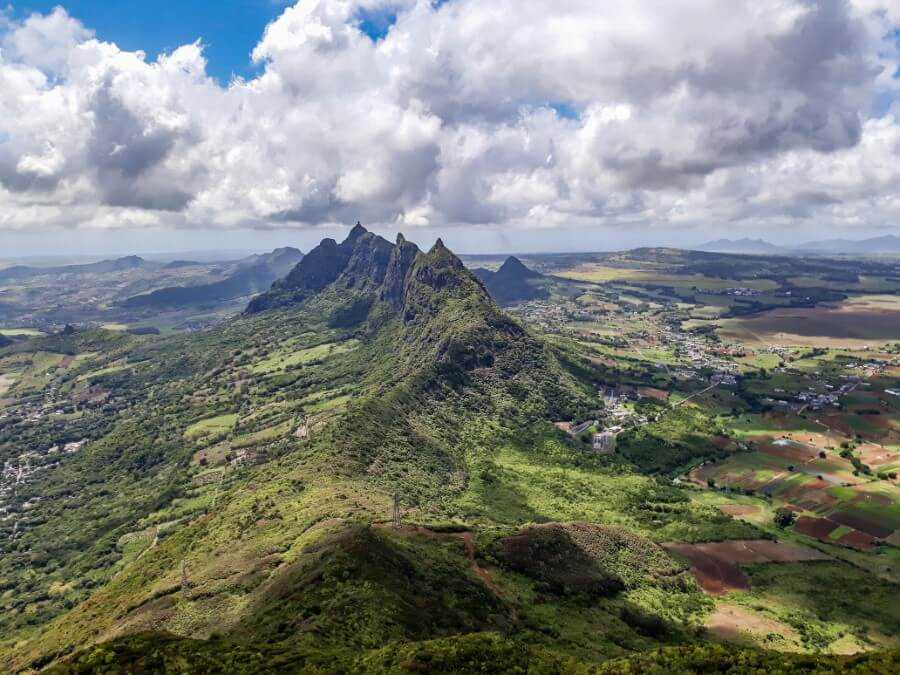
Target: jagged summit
445, 313
368, 264
357, 231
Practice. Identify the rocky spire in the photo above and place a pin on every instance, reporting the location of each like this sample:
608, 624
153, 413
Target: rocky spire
402, 259
357, 231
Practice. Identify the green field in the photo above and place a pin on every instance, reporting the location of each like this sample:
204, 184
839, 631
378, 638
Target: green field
20, 332
285, 359
211, 426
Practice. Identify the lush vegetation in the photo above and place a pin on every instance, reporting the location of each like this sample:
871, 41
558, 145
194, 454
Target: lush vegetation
231, 509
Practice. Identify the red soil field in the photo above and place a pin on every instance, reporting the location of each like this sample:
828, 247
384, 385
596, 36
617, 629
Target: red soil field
792, 452
818, 528
861, 521
859, 540
717, 565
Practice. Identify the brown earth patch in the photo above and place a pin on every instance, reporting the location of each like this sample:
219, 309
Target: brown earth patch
817, 528
792, 452
651, 392
875, 456
738, 509
858, 540
860, 521
737, 624
717, 565
811, 496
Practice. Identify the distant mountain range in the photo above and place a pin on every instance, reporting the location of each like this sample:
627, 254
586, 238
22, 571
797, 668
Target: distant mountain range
102, 267
744, 245
513, 282
888, 244
255, 274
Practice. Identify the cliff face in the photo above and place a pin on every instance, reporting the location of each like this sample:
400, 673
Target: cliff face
403, 256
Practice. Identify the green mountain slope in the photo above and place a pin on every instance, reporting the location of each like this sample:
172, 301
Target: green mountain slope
255, 276
237, 490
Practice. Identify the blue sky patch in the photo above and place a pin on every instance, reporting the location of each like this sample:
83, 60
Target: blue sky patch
376, 23
565, 110
228, 29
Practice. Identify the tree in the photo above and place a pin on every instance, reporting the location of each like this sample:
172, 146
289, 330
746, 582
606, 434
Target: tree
784, 517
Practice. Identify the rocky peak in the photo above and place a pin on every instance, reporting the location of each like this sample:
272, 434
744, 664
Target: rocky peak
369, 264
403, 256
368, 261
512, 266
357, 231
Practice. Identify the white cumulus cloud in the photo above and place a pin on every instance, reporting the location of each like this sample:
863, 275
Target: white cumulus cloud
522, 113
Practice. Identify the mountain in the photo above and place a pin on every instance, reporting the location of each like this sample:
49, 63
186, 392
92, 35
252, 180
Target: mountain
359, 474
101, 267
513, 282
319, 268
196, 488
745, 245
875, 246
254, 274
4, 341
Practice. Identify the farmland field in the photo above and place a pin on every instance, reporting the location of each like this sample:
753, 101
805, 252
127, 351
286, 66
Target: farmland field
211, 426
603, 273
854, 323
23, 332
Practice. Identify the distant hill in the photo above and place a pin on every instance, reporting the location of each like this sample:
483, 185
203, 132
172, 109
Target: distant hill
513, 282
745, 245
874, 246
888, 244
4, 341
178, 264
101, 267
254, 274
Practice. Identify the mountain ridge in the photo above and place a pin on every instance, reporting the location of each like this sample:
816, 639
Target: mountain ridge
254, 274
886, 244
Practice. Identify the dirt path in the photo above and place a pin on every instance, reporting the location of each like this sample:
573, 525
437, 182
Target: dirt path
152, 544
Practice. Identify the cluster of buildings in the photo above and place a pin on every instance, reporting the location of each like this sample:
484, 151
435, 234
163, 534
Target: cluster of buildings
16, 474
739, 291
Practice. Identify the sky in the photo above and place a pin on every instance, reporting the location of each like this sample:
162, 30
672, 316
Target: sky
502, 126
